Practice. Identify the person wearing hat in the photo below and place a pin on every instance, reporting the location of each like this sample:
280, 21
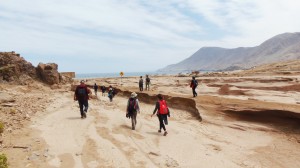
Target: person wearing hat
82, 95
132, 109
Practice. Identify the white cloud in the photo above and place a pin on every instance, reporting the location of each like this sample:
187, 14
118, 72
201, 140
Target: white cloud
127, 32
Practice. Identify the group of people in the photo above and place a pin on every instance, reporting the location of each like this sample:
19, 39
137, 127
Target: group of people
102, 88
82, 93
147, 83
161, 109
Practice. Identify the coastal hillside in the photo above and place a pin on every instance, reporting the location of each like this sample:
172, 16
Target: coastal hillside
282, 47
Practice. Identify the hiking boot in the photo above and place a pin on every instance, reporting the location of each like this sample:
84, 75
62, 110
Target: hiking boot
84, 115
159, 131
165, 134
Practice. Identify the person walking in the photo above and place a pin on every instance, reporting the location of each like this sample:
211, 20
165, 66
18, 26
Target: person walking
132, 109
82, 95
193, 85
110, 93
163, 113
141, 82
95, 89
103, 89
147, 83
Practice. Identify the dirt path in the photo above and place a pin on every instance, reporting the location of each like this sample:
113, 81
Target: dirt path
105, 139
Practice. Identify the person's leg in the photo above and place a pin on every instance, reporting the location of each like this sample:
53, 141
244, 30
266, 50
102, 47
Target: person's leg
133, 120
194, 92
161, 123
81, 107
165, 118
86, 106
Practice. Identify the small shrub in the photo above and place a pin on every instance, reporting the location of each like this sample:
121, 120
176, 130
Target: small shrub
1, 127
3, 161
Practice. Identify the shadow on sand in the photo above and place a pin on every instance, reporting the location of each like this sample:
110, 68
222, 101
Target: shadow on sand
74, 118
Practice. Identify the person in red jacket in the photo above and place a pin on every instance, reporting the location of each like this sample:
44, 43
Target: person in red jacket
82, 95
162, 112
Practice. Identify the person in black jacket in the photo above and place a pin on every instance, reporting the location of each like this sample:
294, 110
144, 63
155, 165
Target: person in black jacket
162, 111
95, 89
193, 85
82, 95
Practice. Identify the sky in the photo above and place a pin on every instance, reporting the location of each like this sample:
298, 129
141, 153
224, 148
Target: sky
102, 36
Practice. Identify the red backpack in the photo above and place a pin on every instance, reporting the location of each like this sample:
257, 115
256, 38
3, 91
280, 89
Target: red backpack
163, 108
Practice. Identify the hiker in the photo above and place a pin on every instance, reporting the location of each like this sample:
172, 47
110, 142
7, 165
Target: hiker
103, 89
141, 82
163, 113
147, 82
132, 109
194, 85
82, 95
95, 88
110, 93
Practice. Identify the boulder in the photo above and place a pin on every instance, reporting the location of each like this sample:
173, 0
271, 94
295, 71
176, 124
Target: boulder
48, 73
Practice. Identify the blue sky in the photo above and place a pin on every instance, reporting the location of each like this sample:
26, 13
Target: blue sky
136, 35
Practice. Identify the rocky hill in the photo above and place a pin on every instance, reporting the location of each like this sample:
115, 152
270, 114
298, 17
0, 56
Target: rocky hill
14, 68
282, 47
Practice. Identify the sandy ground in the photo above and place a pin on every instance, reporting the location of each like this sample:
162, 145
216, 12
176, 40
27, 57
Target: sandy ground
230, 134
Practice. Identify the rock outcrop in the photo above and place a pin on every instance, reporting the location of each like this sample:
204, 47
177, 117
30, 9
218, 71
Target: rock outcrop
48, 73
14, 68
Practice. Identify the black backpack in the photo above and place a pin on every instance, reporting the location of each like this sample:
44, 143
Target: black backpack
131, 105
148, 80
195, 83
81, 92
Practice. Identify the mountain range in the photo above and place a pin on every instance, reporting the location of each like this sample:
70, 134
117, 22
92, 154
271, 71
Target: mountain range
282, 47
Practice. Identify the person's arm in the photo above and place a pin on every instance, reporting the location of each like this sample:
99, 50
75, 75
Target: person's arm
156, 108
168, 112
137, 106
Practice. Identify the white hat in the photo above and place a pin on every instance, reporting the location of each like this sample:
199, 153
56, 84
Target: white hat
133, 94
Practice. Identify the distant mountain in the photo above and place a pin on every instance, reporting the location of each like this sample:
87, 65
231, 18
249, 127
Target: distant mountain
279, 48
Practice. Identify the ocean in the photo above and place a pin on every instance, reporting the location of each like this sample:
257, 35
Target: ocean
107, 75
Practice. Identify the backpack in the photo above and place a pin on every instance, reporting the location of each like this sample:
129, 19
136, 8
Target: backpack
195, 83
148, 80
81, 92
163, 108
141, 81
131, 105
